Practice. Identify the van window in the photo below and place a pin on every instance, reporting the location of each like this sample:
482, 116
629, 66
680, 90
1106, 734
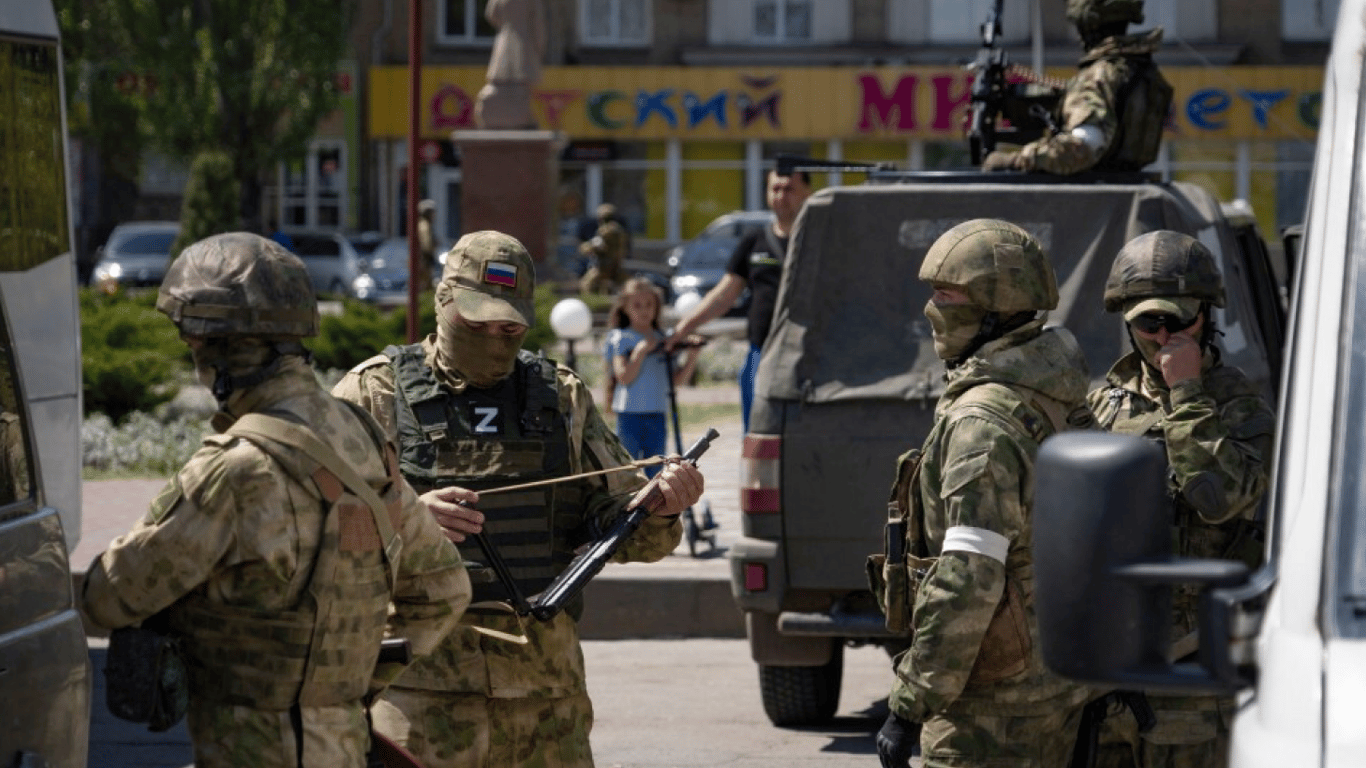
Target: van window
15, 481
33, 225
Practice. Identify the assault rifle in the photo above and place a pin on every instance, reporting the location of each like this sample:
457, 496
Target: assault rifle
1026, 108
587, 564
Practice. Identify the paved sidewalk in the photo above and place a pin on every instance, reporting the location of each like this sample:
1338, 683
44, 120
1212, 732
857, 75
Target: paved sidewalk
680, 596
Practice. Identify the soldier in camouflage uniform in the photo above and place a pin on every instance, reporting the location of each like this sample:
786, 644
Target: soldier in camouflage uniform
1096, 130
279, 579
973, 674
1216, 428
608, 247
471, 411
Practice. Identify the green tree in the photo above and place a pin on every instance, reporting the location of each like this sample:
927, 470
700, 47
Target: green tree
249, 77
211, 197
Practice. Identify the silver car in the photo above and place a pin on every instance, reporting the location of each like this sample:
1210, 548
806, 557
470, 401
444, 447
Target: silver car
333, 260
136, 254
700, 263
385, 279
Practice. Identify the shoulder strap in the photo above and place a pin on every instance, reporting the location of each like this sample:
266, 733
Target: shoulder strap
259, 425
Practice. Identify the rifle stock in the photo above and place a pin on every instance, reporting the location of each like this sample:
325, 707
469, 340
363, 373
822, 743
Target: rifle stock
589, 563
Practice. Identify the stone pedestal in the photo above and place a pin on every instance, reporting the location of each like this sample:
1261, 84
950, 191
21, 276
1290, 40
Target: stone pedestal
509, 181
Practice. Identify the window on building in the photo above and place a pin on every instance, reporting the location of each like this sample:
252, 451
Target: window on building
614, 22
313, 189
1311, 21
462, 22
1189, 20
781, 21
960, 21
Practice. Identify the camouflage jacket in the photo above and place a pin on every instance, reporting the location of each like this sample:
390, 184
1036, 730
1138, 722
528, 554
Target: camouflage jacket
976, 490
233, 529
1217, 432
551, 663
1089, 99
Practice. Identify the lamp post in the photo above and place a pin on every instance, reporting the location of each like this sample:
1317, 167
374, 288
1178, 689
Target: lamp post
571, 320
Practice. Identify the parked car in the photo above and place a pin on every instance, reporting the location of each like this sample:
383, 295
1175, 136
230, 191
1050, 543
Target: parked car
135, 254
849, 379
384, 280
1288, 639
334, 260
700, 263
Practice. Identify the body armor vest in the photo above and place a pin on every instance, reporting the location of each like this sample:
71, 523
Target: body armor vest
323, 651
508, 434
1142, 106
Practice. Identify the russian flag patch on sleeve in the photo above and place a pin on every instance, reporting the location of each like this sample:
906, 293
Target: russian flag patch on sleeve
500, 273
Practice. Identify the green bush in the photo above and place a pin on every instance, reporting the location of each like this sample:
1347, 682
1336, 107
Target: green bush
130, 353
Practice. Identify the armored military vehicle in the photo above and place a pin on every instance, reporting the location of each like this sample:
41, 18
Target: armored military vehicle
849, 380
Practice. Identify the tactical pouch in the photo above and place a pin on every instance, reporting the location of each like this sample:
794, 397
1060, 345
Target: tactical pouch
145, 678
895, 575
1006, 645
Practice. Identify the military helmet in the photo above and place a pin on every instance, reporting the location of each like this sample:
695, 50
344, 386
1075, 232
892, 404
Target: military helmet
239, 284
1089, 14
1163, 263
998, 265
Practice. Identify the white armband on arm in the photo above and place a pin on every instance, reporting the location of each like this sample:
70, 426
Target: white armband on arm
979, 541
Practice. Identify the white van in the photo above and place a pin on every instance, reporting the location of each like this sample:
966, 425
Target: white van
45, 678
1289, 638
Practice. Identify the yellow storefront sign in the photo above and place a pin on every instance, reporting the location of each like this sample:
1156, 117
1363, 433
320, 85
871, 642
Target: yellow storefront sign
813, 103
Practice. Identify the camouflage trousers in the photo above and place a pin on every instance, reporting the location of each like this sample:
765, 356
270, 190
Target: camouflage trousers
457, 730
956, 739
225, 736
1191, 732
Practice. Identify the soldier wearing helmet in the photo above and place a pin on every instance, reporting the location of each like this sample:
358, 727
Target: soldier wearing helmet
471, 411
1216, 428
1111, 113
973, 677
262, 553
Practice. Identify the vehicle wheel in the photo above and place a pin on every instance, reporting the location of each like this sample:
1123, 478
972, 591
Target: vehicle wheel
795, 696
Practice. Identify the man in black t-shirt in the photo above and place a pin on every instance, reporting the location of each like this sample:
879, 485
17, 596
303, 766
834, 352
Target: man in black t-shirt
757, 263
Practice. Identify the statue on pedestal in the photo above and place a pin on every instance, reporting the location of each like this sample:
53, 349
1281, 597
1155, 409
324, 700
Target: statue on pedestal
515, 65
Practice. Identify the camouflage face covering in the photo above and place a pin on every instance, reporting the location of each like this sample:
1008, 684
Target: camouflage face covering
479, 359
955, 326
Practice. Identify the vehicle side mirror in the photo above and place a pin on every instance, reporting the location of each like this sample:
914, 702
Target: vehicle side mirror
1104, 569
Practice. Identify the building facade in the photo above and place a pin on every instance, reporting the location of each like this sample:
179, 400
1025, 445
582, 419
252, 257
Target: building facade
673, 109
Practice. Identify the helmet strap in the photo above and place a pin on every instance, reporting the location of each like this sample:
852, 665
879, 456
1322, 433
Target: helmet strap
224, 383
993, 327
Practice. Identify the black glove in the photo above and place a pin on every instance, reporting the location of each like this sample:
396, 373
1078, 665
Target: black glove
897, 740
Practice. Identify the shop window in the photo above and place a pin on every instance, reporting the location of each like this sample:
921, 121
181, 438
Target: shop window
1309, 22
462, 22
614, 22
312, 189
15, 480
779, 22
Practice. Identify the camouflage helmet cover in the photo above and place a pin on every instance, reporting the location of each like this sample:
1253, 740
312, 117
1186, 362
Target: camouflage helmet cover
1165, 264
239, 284
1089, 14
997, 264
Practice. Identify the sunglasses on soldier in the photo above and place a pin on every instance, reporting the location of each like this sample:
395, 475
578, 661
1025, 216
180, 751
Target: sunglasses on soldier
1152, 322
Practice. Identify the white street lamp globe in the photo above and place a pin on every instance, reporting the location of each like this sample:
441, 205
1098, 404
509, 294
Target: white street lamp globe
571, 319
684, 304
